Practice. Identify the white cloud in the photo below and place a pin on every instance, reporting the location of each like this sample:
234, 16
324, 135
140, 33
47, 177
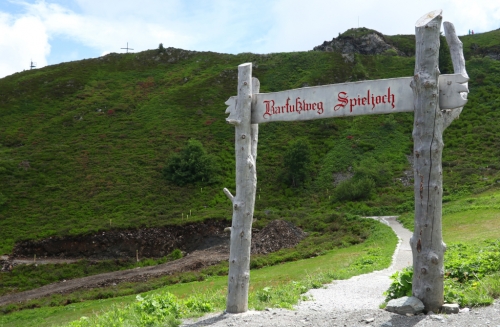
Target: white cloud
302, 24
260, 26
22, 40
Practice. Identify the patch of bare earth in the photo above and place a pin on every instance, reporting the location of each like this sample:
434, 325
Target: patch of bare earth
209, 249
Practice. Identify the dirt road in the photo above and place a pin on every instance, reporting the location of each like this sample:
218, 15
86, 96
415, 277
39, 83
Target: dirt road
193, 261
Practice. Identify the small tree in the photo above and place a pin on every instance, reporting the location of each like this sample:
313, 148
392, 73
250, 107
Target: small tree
161, 48
297, 162
191, 165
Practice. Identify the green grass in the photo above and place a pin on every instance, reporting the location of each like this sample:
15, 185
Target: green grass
375, 253
85, 142
470, 219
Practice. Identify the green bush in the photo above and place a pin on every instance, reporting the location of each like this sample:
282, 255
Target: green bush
175, 255
471, 275
191, 165
390, 52
401, 284
297, 160
354, 189
370, 168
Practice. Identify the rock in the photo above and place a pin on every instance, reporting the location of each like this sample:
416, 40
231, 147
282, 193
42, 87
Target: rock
464, 310
450, 308
405, 305
370, 43
369, 320
386, 324
436, 317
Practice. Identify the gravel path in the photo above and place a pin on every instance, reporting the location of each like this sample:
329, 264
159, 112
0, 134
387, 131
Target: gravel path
354, 302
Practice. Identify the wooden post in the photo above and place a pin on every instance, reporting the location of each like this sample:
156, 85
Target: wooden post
427, 240
246, 136
429, 123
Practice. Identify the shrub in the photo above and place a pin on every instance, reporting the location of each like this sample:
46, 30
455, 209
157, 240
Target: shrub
161, 48
390, 52
175, 255
401, 284
297, 161
354, 189
191, 165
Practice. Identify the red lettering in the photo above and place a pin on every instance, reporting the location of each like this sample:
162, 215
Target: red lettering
307, 106
342, 97
363, 101
353, 103
299, 105
320, 108
391, 97
269, 108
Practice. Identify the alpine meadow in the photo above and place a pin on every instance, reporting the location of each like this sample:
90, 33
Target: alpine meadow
140, 140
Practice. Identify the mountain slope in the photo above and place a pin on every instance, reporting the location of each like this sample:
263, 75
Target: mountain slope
83, 144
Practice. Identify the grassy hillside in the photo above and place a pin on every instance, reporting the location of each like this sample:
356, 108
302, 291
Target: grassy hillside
83, 144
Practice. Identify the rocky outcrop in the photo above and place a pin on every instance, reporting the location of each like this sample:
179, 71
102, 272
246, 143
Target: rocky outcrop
368, 42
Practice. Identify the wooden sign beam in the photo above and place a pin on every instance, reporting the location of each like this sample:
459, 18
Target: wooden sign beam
383, 96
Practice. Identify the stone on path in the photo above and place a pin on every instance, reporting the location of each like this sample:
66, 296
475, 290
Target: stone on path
450, 308
405, 305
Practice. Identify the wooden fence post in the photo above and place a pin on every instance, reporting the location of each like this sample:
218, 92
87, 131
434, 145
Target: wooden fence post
243, 202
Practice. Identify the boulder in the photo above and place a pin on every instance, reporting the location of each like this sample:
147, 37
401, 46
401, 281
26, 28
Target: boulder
450, 308
405, 305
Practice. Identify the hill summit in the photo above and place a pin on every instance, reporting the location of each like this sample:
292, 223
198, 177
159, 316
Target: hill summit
360, 40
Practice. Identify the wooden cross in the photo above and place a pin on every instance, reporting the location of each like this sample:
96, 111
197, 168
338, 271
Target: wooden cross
127, 48
32, 65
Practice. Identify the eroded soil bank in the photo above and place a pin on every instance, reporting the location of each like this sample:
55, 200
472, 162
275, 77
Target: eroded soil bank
123, 243
205, 243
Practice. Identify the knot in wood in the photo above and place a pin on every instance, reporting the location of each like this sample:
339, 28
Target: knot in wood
236, 206
434, 258
423, 271
243, 136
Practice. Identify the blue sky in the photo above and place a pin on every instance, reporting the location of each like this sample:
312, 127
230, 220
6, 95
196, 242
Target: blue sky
53, 31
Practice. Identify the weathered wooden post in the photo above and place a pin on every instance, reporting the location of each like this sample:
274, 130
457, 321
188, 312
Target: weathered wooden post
429, 123
246, 135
